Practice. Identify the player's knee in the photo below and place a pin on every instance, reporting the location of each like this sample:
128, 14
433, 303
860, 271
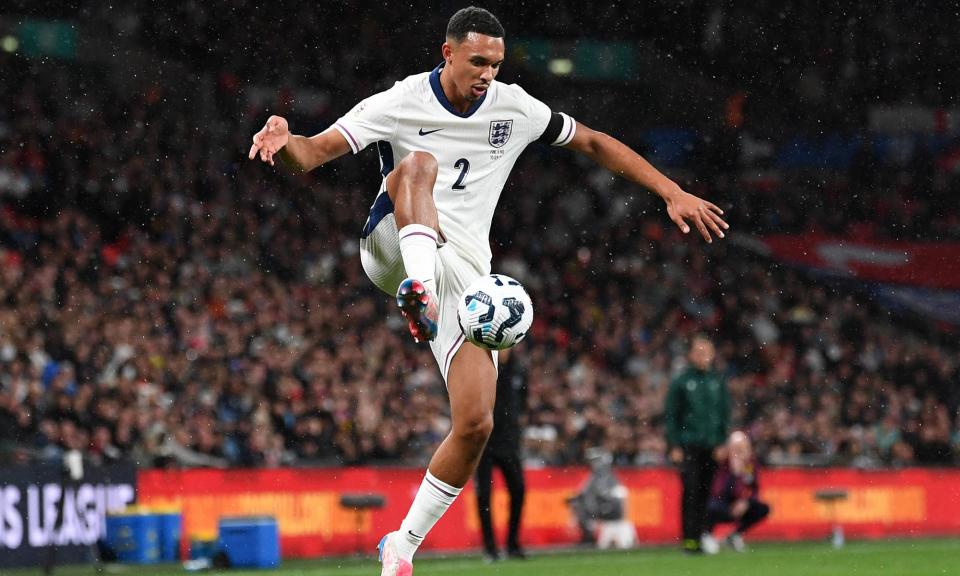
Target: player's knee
419, 165
474, 428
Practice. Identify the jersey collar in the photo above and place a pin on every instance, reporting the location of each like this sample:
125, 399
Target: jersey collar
442, 97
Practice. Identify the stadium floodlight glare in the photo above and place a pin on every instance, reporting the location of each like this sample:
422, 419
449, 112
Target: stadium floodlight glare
9, 44
560, 66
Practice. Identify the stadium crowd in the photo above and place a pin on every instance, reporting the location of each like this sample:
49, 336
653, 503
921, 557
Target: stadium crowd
165, 302
805, 64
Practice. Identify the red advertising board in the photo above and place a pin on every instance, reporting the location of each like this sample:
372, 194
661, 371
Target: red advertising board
932, 265
312, 522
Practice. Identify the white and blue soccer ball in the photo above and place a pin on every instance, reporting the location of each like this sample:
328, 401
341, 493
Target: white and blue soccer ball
495, 312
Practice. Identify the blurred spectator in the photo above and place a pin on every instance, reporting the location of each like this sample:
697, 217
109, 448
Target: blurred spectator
735, 495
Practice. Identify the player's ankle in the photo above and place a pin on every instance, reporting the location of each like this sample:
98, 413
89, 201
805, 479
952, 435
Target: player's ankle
407, 546
418, 248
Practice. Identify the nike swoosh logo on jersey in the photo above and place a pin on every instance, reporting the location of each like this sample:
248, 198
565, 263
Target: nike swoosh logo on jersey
424, 133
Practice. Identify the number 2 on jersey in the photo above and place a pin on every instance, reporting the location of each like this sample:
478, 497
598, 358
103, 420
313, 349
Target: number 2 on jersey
464, 165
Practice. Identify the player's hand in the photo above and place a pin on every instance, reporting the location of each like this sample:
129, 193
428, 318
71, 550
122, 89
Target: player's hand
270, 139
683, 206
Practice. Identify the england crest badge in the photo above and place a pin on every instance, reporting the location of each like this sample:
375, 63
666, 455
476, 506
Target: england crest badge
500, 132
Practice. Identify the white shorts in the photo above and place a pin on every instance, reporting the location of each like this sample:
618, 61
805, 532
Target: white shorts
383, 264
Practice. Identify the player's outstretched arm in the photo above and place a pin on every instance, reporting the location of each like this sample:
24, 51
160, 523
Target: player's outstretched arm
620, 159
298, 152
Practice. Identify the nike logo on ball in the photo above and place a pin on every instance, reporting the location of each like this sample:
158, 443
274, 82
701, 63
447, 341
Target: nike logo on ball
424, 133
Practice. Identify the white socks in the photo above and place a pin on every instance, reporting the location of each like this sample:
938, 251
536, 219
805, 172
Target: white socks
433, 499
418, 246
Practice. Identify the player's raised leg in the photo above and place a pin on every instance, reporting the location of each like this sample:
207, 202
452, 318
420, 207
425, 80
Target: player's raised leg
472, 384
410, 186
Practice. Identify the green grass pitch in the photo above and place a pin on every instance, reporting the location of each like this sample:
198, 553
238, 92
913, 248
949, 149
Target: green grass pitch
873, 558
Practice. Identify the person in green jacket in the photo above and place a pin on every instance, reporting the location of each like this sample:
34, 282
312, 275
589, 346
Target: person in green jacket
697, 417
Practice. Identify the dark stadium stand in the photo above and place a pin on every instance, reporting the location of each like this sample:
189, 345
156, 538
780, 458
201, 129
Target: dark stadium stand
167, 303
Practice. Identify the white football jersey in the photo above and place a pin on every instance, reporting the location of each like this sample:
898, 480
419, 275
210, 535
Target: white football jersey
475, 150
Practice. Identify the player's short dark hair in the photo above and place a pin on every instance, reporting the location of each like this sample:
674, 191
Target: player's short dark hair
473, 19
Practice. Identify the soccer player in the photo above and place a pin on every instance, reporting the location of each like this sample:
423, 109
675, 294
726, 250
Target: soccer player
447, 141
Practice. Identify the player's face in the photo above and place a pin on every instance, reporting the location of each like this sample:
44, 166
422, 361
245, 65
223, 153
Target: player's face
473, 64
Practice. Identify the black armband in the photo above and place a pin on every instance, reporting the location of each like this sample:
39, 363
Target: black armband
559, 131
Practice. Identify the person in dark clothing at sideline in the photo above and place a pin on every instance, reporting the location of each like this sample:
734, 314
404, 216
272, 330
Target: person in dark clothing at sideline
503, 451
697, 413
735, 495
